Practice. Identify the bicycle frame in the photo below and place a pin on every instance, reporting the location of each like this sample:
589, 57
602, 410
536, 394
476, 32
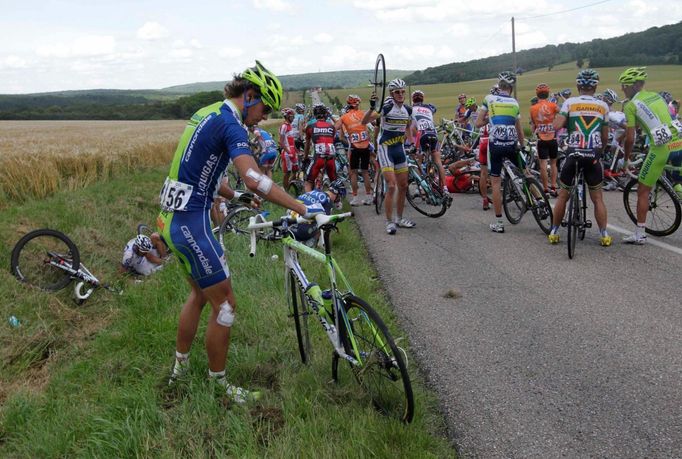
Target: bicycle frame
81, 273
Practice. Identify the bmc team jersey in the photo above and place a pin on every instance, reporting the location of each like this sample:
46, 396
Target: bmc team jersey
321, 135
585, 117
503, 111
394, 121
357, 132
200, 162
422, 117
542, 115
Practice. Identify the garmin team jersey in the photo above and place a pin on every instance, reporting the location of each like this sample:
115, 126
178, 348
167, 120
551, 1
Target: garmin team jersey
213, 137
585, 116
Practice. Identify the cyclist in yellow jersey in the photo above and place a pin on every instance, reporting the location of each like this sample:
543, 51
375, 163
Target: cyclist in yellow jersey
649, 111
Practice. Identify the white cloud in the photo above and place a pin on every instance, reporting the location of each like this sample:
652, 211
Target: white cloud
182, 53
13, 62
273, 5
90, 45
230, 52
323, 38
152, 31
194, 43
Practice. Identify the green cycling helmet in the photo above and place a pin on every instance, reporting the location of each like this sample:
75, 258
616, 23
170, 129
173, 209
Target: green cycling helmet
632, 75
268, 84
470, 102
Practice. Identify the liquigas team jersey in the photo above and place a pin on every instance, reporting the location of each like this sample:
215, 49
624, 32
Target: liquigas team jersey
422, 117
586, 116
648, 110
394, 121
201, 160
503, 111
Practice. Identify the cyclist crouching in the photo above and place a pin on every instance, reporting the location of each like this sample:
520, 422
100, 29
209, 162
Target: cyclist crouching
587, 121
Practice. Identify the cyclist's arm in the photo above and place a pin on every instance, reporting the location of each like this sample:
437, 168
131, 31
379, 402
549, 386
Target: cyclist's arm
159, 245
370, 116
604, 137
306, 150
629, 142
559, 122
519, 130
481, 120
283, 142
153, 258
276, 194
225, 190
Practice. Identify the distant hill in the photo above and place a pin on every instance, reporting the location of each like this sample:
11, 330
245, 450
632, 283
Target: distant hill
331, 80
657, 45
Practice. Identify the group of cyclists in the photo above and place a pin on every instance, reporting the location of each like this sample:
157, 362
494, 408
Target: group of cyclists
219, 134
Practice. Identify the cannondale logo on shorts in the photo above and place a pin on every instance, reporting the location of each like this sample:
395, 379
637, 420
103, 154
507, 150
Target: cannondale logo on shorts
205, 262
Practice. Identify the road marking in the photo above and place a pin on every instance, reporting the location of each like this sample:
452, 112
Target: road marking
649, 239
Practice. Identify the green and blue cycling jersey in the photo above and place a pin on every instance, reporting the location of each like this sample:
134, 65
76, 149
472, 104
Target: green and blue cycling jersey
503, 111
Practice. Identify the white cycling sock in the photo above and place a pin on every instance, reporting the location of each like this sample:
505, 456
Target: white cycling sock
181, 363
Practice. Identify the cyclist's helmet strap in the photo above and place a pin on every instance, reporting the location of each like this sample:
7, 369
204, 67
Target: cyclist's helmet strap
268, 84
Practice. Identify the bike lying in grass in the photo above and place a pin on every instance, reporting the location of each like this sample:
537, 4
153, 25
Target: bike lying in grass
355, 330
46, 258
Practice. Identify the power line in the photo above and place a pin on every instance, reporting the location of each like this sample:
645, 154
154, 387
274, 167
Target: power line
564, 11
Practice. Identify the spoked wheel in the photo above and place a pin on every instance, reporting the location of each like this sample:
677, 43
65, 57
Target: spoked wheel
542, 210
300, 311
37, 256
379, 194
582, 229
665, 212
426, 197
512, 202
233, 235
573, 219
380, 81
295, 188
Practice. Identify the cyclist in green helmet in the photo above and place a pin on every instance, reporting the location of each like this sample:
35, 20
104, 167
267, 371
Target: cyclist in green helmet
648, 110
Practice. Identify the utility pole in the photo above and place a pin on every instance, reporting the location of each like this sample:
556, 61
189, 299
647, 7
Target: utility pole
514, 55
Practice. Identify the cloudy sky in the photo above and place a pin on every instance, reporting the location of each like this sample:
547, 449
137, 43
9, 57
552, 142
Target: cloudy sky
51, 45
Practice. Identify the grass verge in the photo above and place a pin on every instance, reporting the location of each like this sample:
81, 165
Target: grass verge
90, 380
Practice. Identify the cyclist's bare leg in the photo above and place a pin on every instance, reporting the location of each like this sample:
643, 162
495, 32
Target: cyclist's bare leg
483, 181
543, 173
600, 213
368, 184
441, 169
189, 318
497, 194
391, 187
354, 181
553, 171
401, 179
560, 207
642, 202
217, 335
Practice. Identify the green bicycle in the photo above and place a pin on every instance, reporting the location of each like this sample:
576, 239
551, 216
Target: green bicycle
355, 330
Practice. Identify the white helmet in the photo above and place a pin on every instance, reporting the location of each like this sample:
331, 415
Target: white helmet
396, 84
143, 243
610, 96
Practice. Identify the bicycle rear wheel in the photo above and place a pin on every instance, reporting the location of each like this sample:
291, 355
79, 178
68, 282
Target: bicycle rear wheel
295, 188
542, 210
382, 369
665, 212
35, 255
380, 81
232, 234
573, 220
300, 310
425, 196
379, 194
512, 202
582, 229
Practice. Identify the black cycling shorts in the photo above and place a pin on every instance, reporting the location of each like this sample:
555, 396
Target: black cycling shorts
592, 170
548, 149
428, 142
359, 159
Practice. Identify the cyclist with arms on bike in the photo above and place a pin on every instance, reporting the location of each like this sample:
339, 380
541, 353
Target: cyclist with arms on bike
502, 113
214, 136
424, 132
320, 136
542, 116
350, 126
395, 123
587, 121
649, 111
287, 145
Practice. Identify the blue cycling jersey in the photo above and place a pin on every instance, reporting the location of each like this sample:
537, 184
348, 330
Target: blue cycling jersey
213, 137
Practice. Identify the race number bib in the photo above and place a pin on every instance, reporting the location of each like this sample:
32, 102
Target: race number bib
175, 195
358, 137
425, 125
661, 135
545, 128
504, 133
323, 149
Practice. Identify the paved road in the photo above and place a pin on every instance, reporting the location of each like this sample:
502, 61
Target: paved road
540, 356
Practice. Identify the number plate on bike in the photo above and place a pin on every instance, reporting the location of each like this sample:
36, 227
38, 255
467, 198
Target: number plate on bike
175, 195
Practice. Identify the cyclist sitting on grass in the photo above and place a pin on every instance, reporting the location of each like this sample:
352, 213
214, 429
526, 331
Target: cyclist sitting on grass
320, 136
649, 111
308, 233
214, 136
143, 255
587, 121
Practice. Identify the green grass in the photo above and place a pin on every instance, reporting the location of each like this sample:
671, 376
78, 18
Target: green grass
89, 381
444, 96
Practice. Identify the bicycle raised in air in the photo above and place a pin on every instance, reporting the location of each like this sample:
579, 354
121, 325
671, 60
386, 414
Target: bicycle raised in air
355, 330
47, 259
521, 193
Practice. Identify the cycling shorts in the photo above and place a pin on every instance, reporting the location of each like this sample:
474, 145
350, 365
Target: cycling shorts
548, 149
289, 161
592, 168
483, 151
267, 158
317, 164
392, 158
189, 236
496, 156
359, 159
428, 142
655, 160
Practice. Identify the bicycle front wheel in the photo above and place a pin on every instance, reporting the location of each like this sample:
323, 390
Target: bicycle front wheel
665, 212
233, 234
573, 220
380, 81
379, 194
426, 197
300, 310
542, 210
512, 202
37, 257
382, 368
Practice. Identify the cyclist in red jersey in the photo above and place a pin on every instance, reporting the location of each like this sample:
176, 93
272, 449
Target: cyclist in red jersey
320, 135
287, 146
